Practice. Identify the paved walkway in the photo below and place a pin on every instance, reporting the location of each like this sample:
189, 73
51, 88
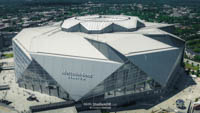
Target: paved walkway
18, 96
190, 93
191, 61
6, 109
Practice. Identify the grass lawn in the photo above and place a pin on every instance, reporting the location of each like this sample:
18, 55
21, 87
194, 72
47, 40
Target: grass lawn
10, 55
189, 66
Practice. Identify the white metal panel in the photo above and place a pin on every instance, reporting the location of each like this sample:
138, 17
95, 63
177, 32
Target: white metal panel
62, 68
136, 43
99, 22
26, 35
95, 25
130, 23
64, 43
68, 23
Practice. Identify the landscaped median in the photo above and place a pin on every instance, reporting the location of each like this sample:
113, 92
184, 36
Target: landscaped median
193, 69
8, 55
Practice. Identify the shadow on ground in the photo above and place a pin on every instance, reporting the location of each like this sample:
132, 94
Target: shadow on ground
182, 83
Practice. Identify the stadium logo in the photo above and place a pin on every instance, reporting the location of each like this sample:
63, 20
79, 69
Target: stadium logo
77, 76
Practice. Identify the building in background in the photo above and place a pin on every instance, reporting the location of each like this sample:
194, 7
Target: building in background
99, 58
6, 40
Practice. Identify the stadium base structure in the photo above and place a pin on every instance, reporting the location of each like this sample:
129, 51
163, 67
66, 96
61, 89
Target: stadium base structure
99, 58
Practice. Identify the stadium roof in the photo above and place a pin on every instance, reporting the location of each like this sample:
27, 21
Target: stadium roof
56, 41
102, 24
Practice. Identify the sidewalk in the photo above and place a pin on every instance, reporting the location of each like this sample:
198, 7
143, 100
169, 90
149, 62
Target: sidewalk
6, 109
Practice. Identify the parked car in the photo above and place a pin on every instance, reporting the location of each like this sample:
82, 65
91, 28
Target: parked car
180, 104
32, 98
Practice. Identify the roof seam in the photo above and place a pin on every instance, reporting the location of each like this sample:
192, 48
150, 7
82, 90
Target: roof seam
148, 50
69, 55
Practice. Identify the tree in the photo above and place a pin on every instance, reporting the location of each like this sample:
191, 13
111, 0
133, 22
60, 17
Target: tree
198, 72
197, 58
192, 72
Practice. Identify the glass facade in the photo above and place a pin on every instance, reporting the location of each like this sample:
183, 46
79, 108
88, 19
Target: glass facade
128, 79
31, 75
167, 39
37, 79
21, 60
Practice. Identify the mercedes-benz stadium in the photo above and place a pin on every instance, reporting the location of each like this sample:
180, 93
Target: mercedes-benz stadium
113, 58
